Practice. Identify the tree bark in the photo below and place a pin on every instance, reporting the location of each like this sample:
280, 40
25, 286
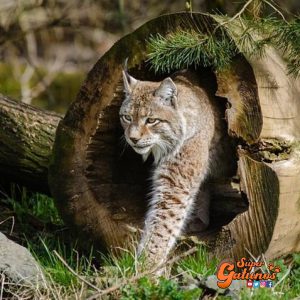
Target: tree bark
26, 138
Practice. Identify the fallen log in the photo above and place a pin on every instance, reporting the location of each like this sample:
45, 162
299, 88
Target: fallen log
26, 138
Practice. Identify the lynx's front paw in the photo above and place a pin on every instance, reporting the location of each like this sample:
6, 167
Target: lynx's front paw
151, 256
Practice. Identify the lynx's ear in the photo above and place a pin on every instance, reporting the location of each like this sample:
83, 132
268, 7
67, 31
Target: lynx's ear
129, 82
167, 92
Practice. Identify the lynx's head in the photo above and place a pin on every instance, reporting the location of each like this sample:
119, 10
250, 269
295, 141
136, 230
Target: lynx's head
150, 116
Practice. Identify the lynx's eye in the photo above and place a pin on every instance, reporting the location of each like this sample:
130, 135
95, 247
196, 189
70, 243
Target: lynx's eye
126, 118
152, 121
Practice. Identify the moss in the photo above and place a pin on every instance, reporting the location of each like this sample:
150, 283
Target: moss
271, 150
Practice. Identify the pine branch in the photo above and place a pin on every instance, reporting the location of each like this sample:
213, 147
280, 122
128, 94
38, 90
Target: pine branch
181, 49
287, 40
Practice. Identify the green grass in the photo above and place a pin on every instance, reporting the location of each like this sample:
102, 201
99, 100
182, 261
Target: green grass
199, 264
111, 270
41, 209
162, 289
31, 205
43, 251
122, 266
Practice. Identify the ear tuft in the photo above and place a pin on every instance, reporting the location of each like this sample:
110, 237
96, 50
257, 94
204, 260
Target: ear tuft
128, 81
167, 91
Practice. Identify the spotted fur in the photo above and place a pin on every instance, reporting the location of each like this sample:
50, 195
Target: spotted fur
174, 121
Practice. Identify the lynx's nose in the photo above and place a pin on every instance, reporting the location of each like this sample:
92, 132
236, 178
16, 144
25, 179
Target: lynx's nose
134, 140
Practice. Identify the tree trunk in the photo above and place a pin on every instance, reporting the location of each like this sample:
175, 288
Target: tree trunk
26, 138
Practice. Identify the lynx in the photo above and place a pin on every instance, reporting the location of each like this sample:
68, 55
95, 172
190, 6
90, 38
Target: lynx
175, 122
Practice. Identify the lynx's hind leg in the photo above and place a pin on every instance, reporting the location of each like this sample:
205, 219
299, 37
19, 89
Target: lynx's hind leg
199, 215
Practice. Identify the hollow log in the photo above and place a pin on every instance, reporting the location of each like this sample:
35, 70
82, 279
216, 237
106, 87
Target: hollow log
26, 138
100, 187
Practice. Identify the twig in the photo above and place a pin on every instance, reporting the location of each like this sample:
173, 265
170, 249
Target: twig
216, 296
74, 273
284, 276
12, 224
46, 81
25, 84
137, 277
277, 10
255, 259
265, 262
240, 12
235, 16
2, 285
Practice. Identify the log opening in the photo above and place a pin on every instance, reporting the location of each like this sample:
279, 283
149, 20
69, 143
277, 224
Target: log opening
118, 176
